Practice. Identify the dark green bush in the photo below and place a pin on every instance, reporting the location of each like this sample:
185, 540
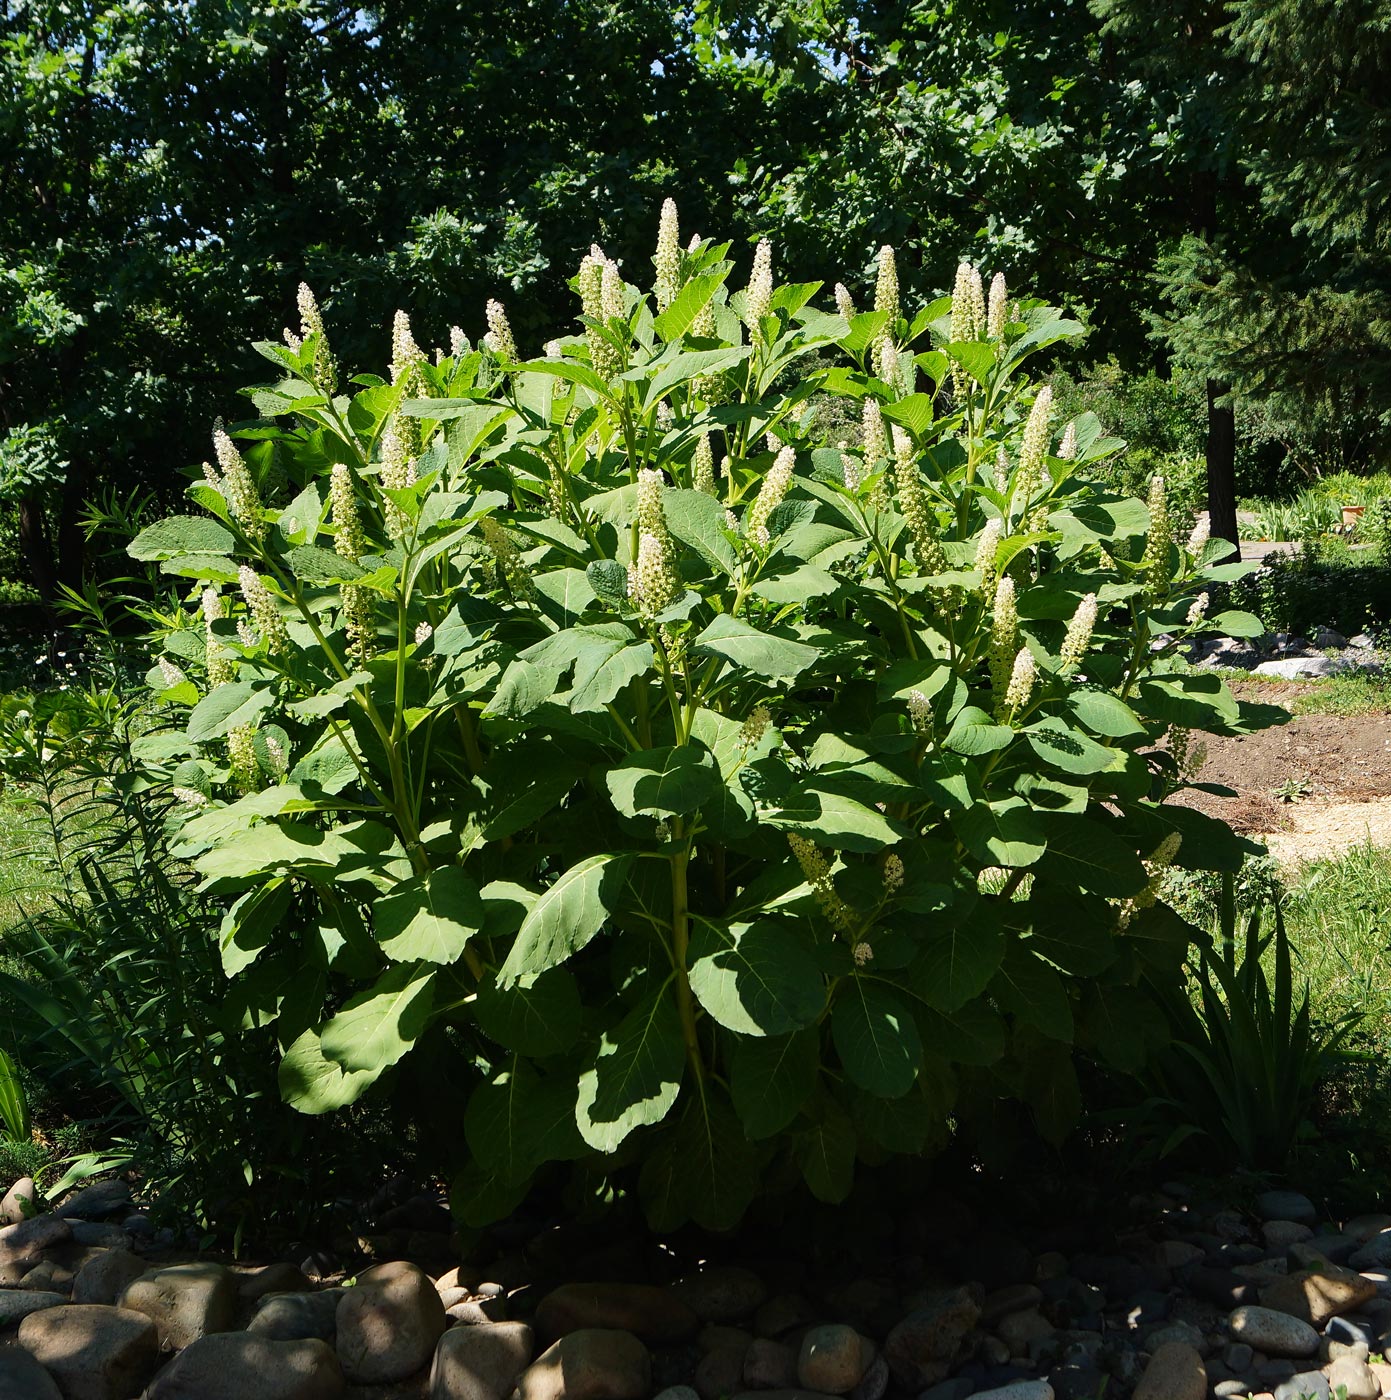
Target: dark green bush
1326, 584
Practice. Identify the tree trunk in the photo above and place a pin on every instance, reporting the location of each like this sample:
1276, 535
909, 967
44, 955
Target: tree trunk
34, 545
1221, 467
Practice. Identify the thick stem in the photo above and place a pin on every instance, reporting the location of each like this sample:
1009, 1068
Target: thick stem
680, 944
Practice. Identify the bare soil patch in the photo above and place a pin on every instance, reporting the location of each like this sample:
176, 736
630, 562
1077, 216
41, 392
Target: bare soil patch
1309, 788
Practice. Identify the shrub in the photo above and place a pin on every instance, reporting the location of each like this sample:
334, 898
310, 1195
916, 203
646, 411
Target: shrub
1321, 585
659, 781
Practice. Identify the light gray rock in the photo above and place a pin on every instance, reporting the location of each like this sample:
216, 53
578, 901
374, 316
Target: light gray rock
104, 1277
185, 1302
1353, 1375
20, 1202
480, 1363
1317, 1295
1275, 1333
1231, 1390
22, 1378
595, 1363
272, 1278
242, 1366
97, 1234
1017, 1390
17, 1303
1296, 667
1175, 1372
94, 1353
389, 1323
1303, 1385
832, 1358
291, 1317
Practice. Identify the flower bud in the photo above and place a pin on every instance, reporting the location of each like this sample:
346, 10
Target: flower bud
1197, 541
1078, 639
913, 506
406, 355
458, 342
703, 466
238, 489
500, 333
241, 758
348, 540
1067, 449
1161, 537
1198, 611
874, 436
770, 496
844, 303
818, 876
996, 313
312, 324
667, 259
1004, 637
886, 290
1021, 682
892, 873
510, 566
264, 613
986, 550
755, 726
758, 298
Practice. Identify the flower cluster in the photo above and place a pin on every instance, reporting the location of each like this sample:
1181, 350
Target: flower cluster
913, 506
667, 259
886, 291
818, 876
264, 614
996, 310
770, 495
703, 466
1078, 639
499, 338
1161, 538
758, 298
510, 567
237, 487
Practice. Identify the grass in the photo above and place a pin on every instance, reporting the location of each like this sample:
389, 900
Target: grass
1352, 693
26, 879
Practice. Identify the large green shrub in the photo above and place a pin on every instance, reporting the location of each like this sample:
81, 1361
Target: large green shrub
666, 777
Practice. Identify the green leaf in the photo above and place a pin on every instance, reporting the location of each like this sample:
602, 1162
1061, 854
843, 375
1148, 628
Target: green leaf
374, 1029
975, 358
314, 564
775, 658
1084, 853
973, 733
876, 1039
666, 782
698, 520
1071, 749
230, 705
636, 1074
1000, 833
1026, 986
705, 1170
1125, 1024
251, 923
1237, 624
688, 366
914, 413
750, 981
570, 370
537, 1015
566, 916
429, 918
680, 316
826, 1154
1103, 713
314, 1084
181, 534
830, 819
771, 1077
1051, 1090
518, 1121
957, 962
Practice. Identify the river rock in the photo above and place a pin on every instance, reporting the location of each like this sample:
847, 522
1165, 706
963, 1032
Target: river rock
388, 1325
293, 1317
96, 1202
1175, 1372
1375, 1253
1281, 1234
595, 1363
1016, 1297
769, 1365
1353, 1375
1362, 1227
1303, 1385
19, 1203
722, 1293
185, 1302
920, 1349
242, 1366
26, 1241
104, 1277
1017, 1390
1286, 1205
22, 1378
657, 1315
1275, 1333
1021, 1330
832, 1359
1318, 1295
273, 1278
17, 1303
94, 1353
480, 1363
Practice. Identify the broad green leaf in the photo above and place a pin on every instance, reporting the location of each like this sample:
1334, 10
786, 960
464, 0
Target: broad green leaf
775, 658
771, 1077
687, 366
957, 962
375, 1028
704, 1170
1125, 1025
251, 923
1071, 749
914, 413
230, 705
666, 782
314, 1084
1006, 832
518, 1121
570, 370
1103, 713
875, 1037
181, 534
698, 520
826, 1153
1084, 853
1026, 986
1237, 624
636, 1074
973, 733
830, 819
752, 979
537, 1015
974, 357
680, 316
429, 918
566, 916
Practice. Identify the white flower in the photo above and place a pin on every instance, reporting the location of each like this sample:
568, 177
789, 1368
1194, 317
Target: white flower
1079, 632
